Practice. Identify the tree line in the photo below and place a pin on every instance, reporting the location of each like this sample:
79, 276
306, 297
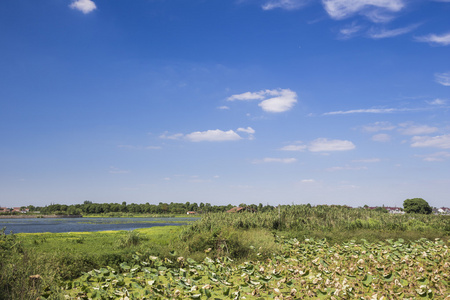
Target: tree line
161, 208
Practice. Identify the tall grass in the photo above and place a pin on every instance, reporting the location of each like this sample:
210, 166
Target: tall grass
320, 220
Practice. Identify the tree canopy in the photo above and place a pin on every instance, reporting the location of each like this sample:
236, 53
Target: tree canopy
417, 205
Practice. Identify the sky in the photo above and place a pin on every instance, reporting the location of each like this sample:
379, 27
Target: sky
225, 101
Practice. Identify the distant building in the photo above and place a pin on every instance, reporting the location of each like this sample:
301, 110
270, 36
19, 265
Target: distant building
443, 211
191, 213
391, 210
4, 209
240, 209
395, 210
18, 209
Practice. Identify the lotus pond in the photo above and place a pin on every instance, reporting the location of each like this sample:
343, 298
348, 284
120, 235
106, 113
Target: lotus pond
306, 269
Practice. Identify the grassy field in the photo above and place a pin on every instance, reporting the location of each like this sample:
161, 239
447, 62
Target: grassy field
236, 243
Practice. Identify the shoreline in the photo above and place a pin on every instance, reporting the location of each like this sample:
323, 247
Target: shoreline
39, 216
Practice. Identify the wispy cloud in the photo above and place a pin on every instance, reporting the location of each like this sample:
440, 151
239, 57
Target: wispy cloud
166, 136
345, 168
294, 148
325, 145
131, 147
114, 170
85, 6
276, 160
438, 156
409, 128
378, 126
275, 101
437, 102
440, 40
308, 181
388, 33
223, 107
440, 141
371, 111
367, 160
375, 10
250, 131
443, 78
285, 4
350, 31
321, 145
381, 137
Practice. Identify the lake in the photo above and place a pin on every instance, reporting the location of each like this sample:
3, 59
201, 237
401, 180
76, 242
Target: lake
37, 225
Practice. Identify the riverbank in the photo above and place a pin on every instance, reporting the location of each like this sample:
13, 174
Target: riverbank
27, 216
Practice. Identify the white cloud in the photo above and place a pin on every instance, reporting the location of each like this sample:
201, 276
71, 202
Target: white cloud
284, 4
443, 39
85, 6
368, 160
368, 111
323, 144
437, 102
175, 136
223, 107
248, 96
346, 168
443, 78
375, 10
276, 160
350, 30
378, 126
381, 137
438, 156
216, 135
308, 181
248, 130
385, 33
275, 101
213, 136
294, 148
440, 141
411, 129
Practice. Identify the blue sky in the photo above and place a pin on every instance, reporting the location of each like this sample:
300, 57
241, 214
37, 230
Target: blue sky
246, 101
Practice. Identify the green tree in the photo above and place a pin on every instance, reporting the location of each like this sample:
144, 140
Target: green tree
417, 206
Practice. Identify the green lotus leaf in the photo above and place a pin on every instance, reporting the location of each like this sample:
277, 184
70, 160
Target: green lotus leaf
367, 280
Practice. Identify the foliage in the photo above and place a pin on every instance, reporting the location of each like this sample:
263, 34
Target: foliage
303, 270
417, 206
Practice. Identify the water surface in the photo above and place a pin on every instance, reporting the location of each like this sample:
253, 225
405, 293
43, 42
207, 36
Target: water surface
37, 225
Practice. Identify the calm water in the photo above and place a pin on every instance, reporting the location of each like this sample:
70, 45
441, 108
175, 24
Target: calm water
86, 224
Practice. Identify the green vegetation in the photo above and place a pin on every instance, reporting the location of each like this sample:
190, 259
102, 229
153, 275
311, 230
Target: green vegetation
231, 255
56, 257
133, 210
417, 206
302, 269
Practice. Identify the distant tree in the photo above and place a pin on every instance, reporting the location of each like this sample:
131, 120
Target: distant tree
417, 206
